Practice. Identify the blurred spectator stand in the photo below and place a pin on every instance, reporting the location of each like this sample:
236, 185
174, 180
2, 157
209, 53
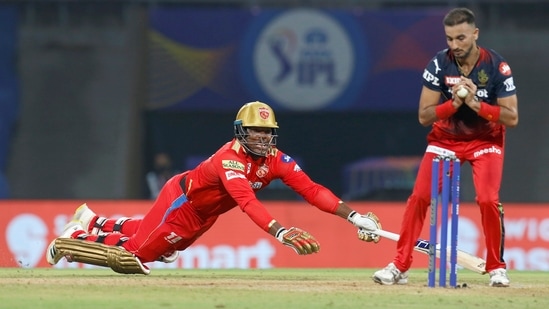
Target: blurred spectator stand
380, 178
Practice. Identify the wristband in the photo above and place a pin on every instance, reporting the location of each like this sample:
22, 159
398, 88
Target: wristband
351, 215
489, 112
280, 230
445, 110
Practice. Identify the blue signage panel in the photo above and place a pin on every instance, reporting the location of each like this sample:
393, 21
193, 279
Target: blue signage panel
293, 59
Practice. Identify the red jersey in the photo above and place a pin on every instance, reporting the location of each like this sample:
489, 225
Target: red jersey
230, 177
493, 78
189, 203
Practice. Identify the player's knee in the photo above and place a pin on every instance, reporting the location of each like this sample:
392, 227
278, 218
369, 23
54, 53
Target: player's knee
486, 201
422, 200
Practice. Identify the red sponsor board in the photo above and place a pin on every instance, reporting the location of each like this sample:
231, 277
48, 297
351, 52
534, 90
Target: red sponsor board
27, 227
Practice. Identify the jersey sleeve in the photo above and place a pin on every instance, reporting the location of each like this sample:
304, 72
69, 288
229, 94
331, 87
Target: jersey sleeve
231, 172
505, 85
432, 74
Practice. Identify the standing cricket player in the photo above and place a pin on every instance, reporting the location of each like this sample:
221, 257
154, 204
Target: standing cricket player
190, 203
469, 124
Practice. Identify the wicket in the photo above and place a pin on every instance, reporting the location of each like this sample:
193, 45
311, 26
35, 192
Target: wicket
449, 194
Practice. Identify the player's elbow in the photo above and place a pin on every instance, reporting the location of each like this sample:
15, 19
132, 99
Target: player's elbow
425, 121
512, 120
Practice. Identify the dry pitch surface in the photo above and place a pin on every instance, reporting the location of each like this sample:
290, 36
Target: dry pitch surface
274, 288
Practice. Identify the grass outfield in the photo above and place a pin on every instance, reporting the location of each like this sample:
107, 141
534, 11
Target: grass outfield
273, 288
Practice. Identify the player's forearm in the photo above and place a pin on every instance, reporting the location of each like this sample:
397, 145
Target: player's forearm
431, 113
427, 116
343, 210
259, 215
274, 226
508, 117
505, 115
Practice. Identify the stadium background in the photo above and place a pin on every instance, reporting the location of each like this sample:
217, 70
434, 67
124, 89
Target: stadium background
89, 92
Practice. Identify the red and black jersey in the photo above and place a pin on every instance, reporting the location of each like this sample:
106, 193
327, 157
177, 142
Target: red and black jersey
230, 178
493, 78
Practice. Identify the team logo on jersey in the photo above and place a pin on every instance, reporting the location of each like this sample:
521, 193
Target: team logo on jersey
504, 69
482, 78
232, 165
262, 171
286, 159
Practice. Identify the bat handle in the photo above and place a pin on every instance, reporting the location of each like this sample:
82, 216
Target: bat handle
387, 234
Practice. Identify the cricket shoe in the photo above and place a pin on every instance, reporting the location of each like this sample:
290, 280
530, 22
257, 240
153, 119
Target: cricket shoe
498, 278
169, 257
390, 275
71, 228
85, 215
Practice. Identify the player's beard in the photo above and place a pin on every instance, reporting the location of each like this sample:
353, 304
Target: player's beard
465, 55
259, 148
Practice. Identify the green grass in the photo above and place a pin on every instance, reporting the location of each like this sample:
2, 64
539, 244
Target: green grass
274, 288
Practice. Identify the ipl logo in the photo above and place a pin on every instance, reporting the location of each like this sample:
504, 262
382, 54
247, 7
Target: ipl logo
303, 59
314, 60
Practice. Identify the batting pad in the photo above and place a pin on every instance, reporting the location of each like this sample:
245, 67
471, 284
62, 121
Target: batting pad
118, 259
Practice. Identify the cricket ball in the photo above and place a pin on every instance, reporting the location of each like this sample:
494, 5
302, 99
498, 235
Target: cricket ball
462, 92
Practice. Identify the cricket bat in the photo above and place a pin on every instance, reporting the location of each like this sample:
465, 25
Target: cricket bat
464, 259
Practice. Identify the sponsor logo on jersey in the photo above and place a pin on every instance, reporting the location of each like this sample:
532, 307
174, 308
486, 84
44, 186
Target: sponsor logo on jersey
439, 151
492, 149
248, 168
430, 78
437, 68
451, 80
173, 238
232, 174
287, 159
509, 84
297, 168
232, 165
256, 185
262, 171
482, 93
504, 69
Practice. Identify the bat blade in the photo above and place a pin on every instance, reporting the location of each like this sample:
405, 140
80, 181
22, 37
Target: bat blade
464, 259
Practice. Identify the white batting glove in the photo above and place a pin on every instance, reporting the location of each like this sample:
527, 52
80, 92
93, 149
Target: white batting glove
369, 222
366, 225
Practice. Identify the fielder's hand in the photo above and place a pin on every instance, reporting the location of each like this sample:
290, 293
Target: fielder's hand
299, 240
366, 224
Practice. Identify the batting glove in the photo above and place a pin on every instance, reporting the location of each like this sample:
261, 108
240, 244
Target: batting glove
299, 240
367, 236
366, 224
